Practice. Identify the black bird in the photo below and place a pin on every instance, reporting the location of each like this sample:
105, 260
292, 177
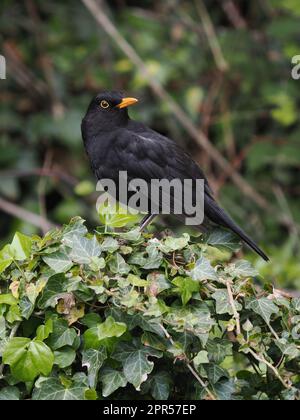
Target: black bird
114, 143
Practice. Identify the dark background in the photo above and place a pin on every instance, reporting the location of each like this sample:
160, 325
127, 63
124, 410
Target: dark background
227, 65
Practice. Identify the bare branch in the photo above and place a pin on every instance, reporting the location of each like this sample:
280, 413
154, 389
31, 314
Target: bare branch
232, 304
26, 215
212, 39
233, 14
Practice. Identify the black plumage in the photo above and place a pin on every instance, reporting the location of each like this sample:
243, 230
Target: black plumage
116, 143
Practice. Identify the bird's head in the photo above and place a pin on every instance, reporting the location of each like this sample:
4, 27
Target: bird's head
108, 110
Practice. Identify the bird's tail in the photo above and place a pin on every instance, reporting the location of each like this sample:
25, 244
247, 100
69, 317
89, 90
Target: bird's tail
218, 215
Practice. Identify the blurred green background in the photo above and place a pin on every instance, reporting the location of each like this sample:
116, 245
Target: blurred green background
227, 64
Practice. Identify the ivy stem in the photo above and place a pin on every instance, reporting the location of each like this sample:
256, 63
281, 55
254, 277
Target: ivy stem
260, 358
235, 312
192, 370
273, 331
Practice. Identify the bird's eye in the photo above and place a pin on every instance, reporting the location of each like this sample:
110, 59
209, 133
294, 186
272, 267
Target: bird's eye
104, 104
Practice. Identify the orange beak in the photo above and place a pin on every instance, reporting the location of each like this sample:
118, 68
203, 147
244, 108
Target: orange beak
127, 102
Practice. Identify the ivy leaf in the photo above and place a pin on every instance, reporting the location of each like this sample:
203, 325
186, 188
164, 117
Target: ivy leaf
110, 244
8, 299
158, 283
43, 331
137, 281
171, 244
225, 389
136, 366
203, 270
27, 359
224, 240
64, 357
223, 305
83, 249
160, 386
21, 246
10, 393
75, 228
115, 217
109, 328
111, 381
4, 265
93, 360
186, 287
218, 349
62, 335
118, 265
215, 372
54, 287
59, 261
53, 389
201, 358
263, 307
243, 269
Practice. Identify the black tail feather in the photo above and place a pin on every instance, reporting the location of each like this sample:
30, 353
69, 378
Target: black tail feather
218, 215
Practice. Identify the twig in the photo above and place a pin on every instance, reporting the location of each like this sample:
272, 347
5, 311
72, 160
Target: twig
233, 14
194, 373
260, 358
26, 215
22, 75
212, 39
51, 173
235, 312
182, 117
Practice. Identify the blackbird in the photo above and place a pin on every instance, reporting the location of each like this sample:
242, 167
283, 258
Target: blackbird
114, 143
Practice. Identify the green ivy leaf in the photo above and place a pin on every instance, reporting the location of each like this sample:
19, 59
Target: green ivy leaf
242, 269
118, 265
186, 287
136, 366
43, 331
224, 240
223, 305
62, 335
160, 386
203, 270
93, 360
8, 299
21, 246
111, 381
10, 393
83, 249
171, 244
54, 389
263, 307
59, 261
28, 359
201, 358
64, 357
54, 287
109, 328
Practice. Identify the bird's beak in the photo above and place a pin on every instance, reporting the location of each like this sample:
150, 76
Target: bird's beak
127, 102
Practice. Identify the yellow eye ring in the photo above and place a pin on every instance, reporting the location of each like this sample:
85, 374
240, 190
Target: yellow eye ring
104, 104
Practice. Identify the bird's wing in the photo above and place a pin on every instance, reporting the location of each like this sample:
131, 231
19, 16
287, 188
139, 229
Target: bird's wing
149, 155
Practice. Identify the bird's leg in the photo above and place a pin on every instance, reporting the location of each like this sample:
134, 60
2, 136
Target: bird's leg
146, 220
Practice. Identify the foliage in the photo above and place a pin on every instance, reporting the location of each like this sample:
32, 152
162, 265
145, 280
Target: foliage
59, 58
122, 315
